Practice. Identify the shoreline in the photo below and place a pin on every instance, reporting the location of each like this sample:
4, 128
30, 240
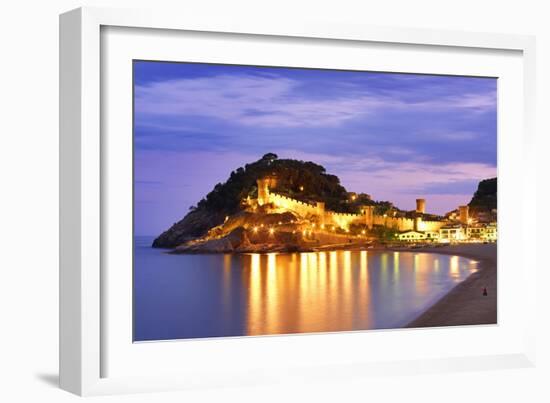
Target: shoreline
465, 304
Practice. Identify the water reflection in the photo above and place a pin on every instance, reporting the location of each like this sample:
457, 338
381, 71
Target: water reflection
194, 296
330, 291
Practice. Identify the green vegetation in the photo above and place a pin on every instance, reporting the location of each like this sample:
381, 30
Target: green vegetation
485, 197
384, 233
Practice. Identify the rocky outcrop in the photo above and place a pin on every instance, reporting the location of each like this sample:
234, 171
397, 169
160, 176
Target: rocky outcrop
228, 243
193, 225
238, 241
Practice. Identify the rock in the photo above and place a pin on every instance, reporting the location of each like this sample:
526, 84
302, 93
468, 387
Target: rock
229, 243
195, 224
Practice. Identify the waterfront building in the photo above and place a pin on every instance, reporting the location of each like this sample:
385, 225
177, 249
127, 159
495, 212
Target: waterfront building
415, 236
453, 233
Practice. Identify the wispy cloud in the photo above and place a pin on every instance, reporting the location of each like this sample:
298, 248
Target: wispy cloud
401, 182
274, 101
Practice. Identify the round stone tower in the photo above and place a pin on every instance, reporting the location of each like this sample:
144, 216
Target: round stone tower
263, 191
464, 214
421, 206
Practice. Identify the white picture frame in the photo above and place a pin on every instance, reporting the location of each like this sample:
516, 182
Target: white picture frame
85, 346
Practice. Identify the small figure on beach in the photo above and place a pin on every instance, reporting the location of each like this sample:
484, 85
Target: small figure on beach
484, 291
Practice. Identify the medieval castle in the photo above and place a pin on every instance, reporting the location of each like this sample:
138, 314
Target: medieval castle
413, 227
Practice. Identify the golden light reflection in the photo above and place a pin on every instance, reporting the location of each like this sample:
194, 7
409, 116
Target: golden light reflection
332, 290
421, 270
312, 270
364, 288
272, 296
384, 269
254, 294
347, 287
226, 286
346, 255
364, 263
306, 292
473, 265
453, 266
396, 266
323, 275
333, 275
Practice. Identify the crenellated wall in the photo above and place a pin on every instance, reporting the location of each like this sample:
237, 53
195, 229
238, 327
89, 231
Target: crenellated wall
297, 206
343, 220
305, 209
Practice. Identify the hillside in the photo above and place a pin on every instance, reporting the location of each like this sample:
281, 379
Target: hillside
485, 197
305, 181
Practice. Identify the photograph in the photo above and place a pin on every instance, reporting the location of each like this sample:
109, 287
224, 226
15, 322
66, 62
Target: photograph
274, 200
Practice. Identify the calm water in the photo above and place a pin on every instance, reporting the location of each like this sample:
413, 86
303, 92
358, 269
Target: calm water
189, 296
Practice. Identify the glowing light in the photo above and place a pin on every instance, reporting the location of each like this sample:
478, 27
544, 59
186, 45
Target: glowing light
271, 231
322, 226
363, 232
301, 188
304, 232
363, 260
453, 266
255, 229
396, 265
226, 218
280, 222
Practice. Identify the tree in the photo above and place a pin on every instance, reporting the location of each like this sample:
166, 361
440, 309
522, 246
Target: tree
270, 157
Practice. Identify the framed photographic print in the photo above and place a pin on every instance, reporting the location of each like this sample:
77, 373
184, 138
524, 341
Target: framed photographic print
273, 242
237, 198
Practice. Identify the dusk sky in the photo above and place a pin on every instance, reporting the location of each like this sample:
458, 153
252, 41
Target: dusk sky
394, 136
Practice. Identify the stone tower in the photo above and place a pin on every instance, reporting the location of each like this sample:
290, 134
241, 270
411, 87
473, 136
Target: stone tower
368, 212
263, 191
464, 214
421, 206
321, 212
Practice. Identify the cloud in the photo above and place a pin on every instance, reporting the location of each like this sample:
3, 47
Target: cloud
401, 182
271, 101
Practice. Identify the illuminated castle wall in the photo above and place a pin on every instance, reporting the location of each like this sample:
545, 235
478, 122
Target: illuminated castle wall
343, 220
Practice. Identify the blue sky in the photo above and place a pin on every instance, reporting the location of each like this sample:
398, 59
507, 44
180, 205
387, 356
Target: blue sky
394, 136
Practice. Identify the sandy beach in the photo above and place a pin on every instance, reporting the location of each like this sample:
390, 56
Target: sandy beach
465, 304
